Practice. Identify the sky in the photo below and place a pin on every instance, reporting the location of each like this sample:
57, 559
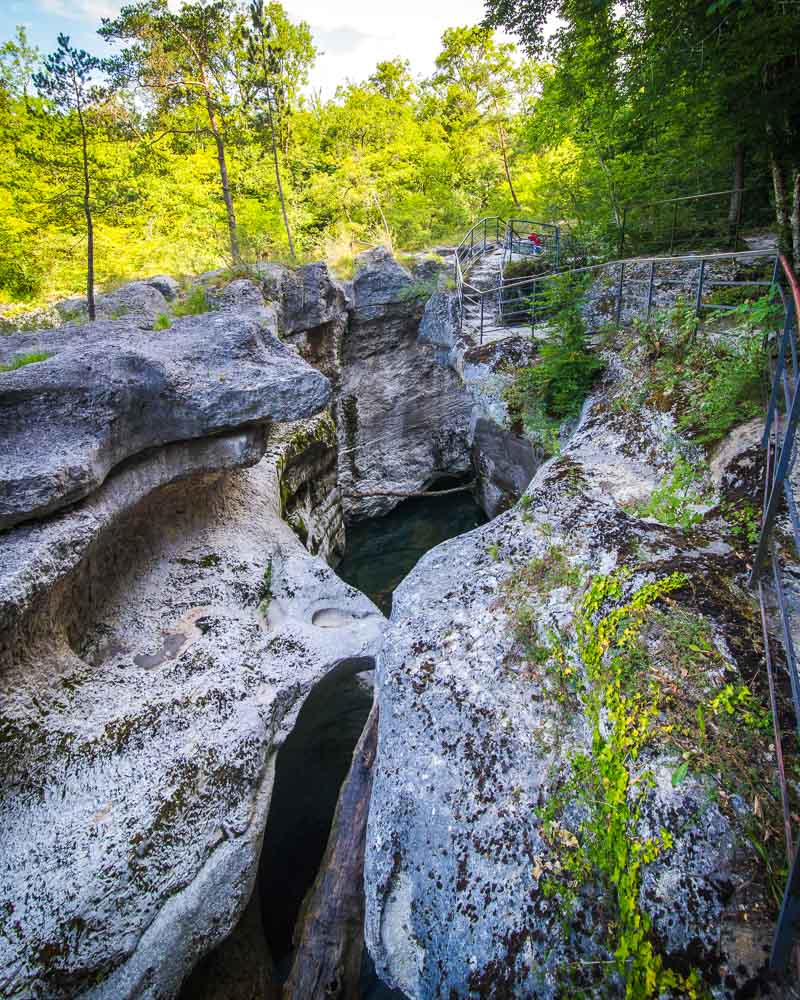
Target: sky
352, 35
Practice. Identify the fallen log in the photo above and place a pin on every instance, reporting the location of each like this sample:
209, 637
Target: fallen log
413, 493
329, 934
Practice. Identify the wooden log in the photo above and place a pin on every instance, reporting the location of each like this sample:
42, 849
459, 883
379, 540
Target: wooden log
329, 935
414, 493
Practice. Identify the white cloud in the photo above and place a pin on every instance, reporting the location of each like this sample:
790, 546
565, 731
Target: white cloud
80, 10
352, 35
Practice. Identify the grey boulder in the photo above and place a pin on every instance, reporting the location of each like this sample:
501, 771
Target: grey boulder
107, 395
308, 297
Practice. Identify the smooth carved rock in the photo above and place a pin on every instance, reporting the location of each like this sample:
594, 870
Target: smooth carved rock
115, 391
144, 695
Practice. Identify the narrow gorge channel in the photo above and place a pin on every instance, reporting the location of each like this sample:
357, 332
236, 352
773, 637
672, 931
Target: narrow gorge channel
315, 759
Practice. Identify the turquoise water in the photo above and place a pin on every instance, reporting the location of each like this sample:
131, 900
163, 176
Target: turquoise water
383, 550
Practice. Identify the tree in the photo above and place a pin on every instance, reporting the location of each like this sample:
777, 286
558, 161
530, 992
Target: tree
65, 82
477, 78
688, 86
184, 58
279, 54
18, 60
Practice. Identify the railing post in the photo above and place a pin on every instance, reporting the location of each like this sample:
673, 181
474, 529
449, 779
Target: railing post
624, 227
533, 310
650, 288
788, 921
674, 224
480, 339
699, 300
781, 469
558, 244
619, 292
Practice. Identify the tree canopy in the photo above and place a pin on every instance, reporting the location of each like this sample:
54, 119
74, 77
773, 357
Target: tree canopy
204, 145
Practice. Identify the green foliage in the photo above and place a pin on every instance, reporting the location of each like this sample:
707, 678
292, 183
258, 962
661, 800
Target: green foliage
194, 303
673, 502
23, 359
163, 322
553, 389
265, 589
743, 519
526, 268
622, 714
715, 379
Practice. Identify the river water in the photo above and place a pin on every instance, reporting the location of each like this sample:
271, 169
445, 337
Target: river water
383, 550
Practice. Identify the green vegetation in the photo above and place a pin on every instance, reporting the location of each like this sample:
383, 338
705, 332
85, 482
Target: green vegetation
553, 389
265, 589
194, 143
712, 375
674, 501
23, 359
633, 97
195, 303
163, 322
622, 713
743, 519
648, 676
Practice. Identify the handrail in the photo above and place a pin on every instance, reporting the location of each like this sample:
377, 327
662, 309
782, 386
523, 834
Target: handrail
685, 197
779, 441
689, 258
514, 302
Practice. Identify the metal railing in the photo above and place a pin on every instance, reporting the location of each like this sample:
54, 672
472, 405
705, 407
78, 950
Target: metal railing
780, 442
633, 283
674, 225
522, 302
518, 238
526, 239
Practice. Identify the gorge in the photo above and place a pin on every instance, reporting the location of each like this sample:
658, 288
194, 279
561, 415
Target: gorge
185, 675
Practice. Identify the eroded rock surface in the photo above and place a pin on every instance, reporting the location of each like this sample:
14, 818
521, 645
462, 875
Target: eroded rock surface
112, 391
160, 628
467, 869
402, 416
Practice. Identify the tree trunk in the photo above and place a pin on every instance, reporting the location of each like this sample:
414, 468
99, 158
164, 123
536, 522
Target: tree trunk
735, 210
504, 154
223, 174
87, 211
330, 929
278, 177
781, 203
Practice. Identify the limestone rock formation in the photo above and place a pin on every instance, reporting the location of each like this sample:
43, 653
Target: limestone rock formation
140, 301
402, 416
160, 627
309, 296
474, 879
111, 392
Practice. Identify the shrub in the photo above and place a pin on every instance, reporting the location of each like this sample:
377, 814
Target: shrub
526, 268
553, 389
163, 322
717, 381
195, 303
674, 500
